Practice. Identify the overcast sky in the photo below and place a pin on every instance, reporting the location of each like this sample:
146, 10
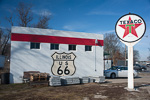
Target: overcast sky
91, 16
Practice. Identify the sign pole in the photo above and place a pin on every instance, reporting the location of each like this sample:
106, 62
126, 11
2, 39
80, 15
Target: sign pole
130, 28
130, 67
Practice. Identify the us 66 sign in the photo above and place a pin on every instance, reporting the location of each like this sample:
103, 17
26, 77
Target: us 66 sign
130, 28
63, 64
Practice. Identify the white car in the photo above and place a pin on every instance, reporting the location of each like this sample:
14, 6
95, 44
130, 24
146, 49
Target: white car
118, 71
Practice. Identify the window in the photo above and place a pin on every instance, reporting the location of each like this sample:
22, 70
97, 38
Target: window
34, 45
54, 47
123, 68
72, 47
88, 48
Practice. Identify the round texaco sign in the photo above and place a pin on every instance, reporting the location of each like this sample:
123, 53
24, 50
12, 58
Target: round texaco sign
130, 28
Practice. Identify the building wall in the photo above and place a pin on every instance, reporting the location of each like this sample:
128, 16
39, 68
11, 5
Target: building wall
25, 59
108, 64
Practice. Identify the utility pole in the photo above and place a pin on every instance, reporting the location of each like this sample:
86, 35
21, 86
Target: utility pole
0, 40
125, 55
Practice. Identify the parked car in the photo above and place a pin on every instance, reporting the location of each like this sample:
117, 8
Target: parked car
148, 65
138, 67
143, 68
120, 71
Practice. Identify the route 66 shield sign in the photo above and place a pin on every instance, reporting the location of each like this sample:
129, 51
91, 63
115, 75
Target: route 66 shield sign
63, 64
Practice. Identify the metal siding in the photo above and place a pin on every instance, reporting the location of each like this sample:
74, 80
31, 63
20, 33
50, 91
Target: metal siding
25, 59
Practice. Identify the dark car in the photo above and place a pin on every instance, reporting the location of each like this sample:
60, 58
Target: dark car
143, 68
138, 67
148, 65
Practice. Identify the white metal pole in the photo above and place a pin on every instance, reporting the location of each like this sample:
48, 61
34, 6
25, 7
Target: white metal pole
130, 68
125, 56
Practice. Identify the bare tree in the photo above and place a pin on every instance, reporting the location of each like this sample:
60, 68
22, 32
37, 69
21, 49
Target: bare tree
5, 43
6, 37
24, 13
43, 22
10, 19
1, 33
148, 58
24, 17
112, 46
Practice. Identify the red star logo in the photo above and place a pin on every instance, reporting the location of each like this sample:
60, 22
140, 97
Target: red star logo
130, 28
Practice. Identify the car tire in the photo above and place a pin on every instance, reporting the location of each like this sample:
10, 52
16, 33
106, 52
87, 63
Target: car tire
113, 75
143, 70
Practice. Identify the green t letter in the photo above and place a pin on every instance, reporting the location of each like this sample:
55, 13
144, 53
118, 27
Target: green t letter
129, 27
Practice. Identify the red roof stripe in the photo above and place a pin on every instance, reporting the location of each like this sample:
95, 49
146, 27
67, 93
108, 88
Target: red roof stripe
54, 39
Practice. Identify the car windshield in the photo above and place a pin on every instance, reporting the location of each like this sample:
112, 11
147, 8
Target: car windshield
113, 68
143, 66
123, 68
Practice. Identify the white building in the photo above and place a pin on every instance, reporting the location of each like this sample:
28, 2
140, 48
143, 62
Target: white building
61, 53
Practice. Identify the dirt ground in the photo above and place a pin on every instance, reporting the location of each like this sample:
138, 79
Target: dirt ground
113, 89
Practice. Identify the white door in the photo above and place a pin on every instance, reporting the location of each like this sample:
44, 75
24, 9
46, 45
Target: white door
122, 72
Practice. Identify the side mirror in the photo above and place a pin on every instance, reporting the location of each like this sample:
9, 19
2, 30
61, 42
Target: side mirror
118, 69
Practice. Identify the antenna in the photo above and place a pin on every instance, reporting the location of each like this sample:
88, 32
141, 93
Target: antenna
96, 41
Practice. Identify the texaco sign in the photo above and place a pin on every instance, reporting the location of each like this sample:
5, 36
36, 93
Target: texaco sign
63, 64
130, 28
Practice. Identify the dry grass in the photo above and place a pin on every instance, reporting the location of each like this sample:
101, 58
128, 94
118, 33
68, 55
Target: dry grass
90, 91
